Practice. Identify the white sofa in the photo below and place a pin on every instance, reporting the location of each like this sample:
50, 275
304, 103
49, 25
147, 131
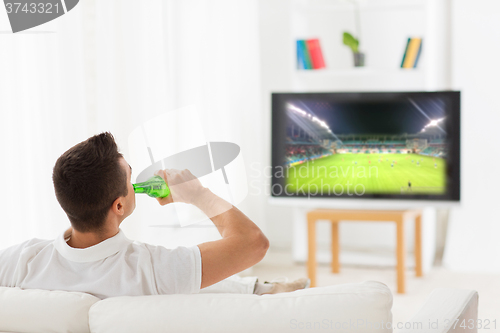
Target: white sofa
363, 307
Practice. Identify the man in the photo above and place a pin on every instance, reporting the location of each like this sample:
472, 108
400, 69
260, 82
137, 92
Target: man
92, 182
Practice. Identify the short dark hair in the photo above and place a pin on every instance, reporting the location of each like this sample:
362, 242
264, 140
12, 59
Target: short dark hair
88, 178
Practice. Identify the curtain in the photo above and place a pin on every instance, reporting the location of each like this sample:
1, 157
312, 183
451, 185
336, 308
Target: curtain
111, 66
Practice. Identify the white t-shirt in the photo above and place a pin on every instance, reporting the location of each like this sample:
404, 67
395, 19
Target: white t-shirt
114, 267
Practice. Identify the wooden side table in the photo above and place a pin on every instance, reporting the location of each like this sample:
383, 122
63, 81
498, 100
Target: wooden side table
337, 216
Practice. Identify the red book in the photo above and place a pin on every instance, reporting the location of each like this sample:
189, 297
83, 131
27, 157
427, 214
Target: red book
315, 52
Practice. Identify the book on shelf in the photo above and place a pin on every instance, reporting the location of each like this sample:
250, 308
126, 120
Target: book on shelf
315, 53
412, 53
309, 54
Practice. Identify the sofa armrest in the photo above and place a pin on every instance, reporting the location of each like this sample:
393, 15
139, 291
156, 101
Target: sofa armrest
446, 311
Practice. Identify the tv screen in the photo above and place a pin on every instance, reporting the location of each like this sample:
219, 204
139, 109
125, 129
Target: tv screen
391, 145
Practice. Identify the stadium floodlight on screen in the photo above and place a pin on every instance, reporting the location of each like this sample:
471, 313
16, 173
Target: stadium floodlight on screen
400, 146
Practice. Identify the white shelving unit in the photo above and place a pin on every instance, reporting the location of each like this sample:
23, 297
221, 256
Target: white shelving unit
360, 79
383, 45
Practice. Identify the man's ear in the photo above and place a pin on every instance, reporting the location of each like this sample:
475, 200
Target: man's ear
117, 207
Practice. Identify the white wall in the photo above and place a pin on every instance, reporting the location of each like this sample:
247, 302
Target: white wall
281, 23
474, 230
274, 23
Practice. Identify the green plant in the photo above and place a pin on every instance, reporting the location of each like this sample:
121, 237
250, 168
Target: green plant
350, 41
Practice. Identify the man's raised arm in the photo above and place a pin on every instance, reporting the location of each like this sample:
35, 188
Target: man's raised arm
242, 245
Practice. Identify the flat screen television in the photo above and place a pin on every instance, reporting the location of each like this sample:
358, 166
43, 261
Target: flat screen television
387, 145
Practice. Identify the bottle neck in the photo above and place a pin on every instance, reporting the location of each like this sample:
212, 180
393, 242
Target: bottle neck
139, 189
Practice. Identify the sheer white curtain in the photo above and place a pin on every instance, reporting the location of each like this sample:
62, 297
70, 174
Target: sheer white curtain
109, 66
37, 125
214, 58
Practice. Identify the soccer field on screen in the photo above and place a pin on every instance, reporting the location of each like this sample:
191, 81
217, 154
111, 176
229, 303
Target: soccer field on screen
368, 173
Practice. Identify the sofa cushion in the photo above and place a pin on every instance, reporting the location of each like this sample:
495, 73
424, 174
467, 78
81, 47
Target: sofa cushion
363, 307
34, 310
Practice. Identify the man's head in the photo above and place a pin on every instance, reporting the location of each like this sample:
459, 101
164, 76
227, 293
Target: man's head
92, 180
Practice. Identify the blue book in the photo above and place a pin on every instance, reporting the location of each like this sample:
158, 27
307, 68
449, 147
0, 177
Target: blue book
301, 59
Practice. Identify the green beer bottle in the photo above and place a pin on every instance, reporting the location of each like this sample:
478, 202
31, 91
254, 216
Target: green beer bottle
155, 187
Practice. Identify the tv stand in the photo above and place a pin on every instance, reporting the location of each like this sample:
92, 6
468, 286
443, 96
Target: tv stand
337, 216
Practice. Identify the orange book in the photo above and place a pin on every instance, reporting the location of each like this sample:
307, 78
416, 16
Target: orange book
412, 52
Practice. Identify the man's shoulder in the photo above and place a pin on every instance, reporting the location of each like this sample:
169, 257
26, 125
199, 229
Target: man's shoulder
26, 245
162, 252
153, 247
138, 246
17, 255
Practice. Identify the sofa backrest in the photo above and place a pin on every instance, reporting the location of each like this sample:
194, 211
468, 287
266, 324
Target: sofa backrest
362, 307
358, 307
30, 311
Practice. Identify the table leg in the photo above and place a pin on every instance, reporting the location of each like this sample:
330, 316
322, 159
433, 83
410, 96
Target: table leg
335, 247
311, 260
418, 245
400, 254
